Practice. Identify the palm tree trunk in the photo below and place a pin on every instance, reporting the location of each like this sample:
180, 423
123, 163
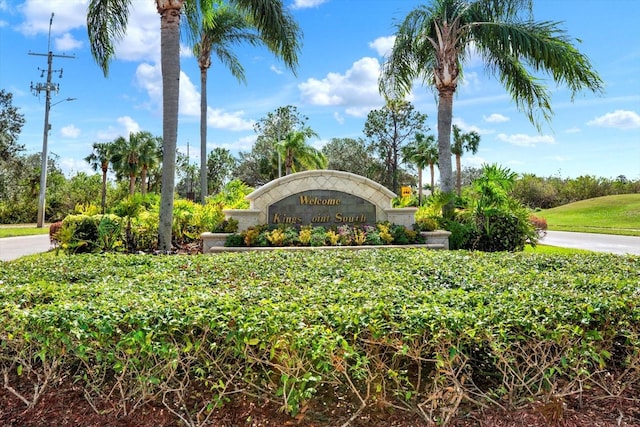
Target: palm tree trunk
433, 173
170, 60
289, 163
419, 186
132, 184
103, 194
204, 190
458, 175
445, 115
143, 178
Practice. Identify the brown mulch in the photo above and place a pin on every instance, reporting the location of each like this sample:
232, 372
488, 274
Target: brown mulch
64, 404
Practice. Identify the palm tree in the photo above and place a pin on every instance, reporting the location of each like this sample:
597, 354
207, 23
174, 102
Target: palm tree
107, 24
225, 26
297, 154
150, 156
100, 159
125, 159
422, 152
463, 142
433, 42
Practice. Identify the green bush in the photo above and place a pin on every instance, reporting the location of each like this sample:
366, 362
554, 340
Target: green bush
79, 233
416, 329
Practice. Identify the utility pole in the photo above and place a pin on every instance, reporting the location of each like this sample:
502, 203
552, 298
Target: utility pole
47, 87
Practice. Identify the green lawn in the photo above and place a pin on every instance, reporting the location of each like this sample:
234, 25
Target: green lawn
22, 230
609, 215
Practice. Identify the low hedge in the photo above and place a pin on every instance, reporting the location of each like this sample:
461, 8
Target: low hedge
422, 331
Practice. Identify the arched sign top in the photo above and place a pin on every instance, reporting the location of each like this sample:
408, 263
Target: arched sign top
346, 182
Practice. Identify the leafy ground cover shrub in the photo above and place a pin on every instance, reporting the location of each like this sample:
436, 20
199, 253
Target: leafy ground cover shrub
426, 332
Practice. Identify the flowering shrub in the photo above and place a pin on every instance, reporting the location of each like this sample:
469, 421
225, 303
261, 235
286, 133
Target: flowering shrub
382, 233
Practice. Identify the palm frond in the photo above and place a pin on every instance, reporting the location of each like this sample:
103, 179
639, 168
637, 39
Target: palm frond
106, 24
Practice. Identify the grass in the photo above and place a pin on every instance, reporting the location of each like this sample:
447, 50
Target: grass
21, 230
555, 250
618, 214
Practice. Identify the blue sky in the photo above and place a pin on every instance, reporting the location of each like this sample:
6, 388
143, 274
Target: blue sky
336, 85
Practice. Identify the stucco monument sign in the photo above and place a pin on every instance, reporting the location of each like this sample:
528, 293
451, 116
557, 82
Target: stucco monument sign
325, 198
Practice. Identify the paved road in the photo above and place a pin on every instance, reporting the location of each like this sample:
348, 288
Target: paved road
594, 242
15, 247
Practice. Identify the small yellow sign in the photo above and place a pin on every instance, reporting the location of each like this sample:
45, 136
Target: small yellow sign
405, 191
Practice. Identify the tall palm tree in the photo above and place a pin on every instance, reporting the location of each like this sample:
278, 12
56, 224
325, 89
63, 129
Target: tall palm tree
433, 42
297, 154
107, 24
219, 30
421, 152
100, 158
463, 142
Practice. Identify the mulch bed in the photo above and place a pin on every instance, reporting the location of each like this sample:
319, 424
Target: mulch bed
64, 404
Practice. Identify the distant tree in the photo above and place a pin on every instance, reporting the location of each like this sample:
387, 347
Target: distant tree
433, 42
297, 154
388, 130
463, 142
220, 166
11, 122
352, 155
79, 190
421, 152
535, 192
100, 159
187, 177
134, 156
262, 163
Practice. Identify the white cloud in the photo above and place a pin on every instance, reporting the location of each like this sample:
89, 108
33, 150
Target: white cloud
71, 166
573, 130
619, 119
189, 96
129, 125
244, 143
383, 45
472, 161
495, 118
69, 15
220, 119
70, 131
142, 41
357, 89
67, 42
276, 69
126, 125
338, 117
470, 82
149, 78
465, 127
523, 140
305, 4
